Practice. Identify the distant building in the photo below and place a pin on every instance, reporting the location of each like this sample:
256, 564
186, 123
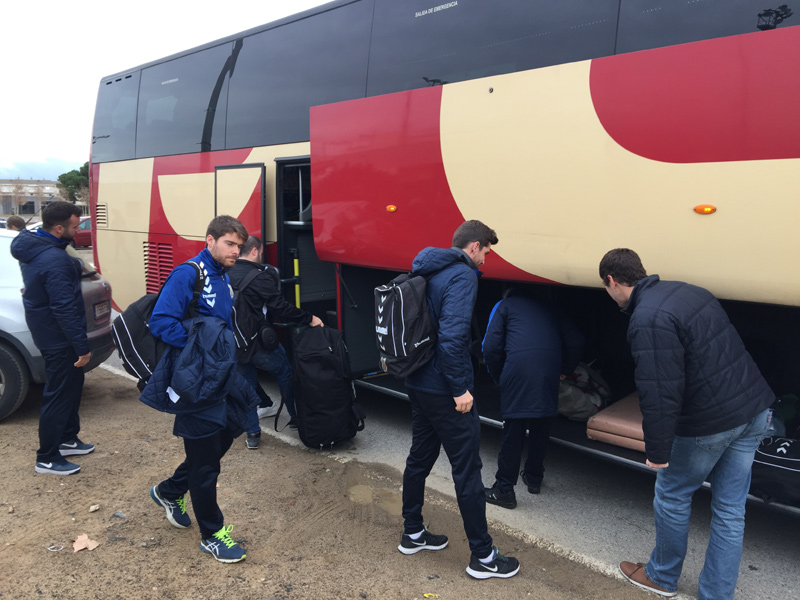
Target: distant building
27, 197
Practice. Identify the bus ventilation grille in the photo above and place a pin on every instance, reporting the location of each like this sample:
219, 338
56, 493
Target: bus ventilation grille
102, 215
157, 265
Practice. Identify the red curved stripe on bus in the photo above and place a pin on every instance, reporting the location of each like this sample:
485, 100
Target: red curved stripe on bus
372, 153
729, 99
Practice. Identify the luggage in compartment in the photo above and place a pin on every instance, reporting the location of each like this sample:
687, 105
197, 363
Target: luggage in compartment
620, 424
776, 471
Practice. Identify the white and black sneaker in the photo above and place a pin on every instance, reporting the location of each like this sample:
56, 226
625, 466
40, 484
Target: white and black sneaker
500, 566
427, 541
75, 447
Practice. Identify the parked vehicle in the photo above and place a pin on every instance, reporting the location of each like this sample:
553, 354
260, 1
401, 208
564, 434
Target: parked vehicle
83, 237
20, 361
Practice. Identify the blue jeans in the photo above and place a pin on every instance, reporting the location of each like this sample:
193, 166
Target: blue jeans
276, 364
726, 460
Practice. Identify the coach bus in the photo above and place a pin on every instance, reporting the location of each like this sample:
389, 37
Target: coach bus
350, 136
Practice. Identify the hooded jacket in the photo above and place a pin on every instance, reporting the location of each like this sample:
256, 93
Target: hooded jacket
54, 309
693, 373
451, 293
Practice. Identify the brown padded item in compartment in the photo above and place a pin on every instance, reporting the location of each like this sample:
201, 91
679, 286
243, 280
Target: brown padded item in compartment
620, 424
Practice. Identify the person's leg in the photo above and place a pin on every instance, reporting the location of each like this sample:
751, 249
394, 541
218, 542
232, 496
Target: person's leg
58, 419
510, 455
730, 483
425, 447
202, 470
461, 436
690, 463
277, 364
249, 372
538, 439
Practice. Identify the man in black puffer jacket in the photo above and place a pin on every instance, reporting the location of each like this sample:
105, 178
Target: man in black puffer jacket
705, 409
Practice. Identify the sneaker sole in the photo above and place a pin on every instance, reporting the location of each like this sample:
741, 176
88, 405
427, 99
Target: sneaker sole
170, 518
249, 447
647, 587
222, 560
490, 574
54, 471
415, 549
75, 452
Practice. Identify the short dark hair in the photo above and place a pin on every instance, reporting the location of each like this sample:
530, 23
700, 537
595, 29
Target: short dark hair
222, 224
473, 231
624, 265
59, 212
252, 242
16, 222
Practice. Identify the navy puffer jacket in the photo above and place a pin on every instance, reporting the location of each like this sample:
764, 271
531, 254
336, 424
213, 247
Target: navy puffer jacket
54, 308
451, 297
693, 373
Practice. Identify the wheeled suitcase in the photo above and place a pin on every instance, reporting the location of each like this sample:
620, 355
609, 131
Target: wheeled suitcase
324, 394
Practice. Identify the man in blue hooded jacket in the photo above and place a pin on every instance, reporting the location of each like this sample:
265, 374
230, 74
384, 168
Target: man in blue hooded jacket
56, 317
705, 409
442, 409
207, 434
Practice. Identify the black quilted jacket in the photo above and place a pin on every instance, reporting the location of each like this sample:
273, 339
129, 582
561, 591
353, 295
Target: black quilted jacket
693, 373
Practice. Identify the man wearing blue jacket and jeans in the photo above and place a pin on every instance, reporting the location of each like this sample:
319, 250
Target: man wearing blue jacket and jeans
705, 409
208, 434
442, 409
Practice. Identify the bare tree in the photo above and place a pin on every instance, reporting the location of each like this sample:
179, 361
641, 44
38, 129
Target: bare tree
18, 195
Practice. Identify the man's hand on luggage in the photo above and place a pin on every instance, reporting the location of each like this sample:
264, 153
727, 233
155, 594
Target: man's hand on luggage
83, 360
316, 321
464, 402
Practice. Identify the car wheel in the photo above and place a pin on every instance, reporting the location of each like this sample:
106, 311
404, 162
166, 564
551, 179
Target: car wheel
14, 379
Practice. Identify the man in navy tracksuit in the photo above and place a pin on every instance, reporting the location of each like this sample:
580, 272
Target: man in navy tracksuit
55, 315
529, 346
443, 413
207, 434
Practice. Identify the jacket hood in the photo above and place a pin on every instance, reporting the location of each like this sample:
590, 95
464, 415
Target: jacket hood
28, 245
433, 259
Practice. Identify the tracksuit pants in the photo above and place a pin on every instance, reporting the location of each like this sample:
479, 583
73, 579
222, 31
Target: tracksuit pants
61, 398
198, 475
511, 445
435, 423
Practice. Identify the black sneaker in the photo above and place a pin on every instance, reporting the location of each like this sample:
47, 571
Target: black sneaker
75, 447
252, 441
176, 511
495, 496
427, 541
292, 423
533, 488
501, 566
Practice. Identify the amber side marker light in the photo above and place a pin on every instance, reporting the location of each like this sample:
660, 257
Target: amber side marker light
705, 209
391, 208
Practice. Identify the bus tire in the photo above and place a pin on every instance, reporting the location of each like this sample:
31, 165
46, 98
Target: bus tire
14, 380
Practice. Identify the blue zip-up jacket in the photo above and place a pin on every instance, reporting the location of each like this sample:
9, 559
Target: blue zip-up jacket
527, 345
693, 373
54, 308
166, 323
451, 295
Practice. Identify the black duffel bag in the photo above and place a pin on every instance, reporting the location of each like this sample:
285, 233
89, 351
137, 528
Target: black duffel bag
776, 471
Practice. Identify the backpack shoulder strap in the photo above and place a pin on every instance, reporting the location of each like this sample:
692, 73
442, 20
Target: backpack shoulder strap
248, 279
198, 289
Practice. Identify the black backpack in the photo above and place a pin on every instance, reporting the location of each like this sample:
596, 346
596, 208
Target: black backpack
324, 394
247, 324
405, 332
139, 349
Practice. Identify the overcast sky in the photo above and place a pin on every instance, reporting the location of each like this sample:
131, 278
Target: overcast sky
54, 52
